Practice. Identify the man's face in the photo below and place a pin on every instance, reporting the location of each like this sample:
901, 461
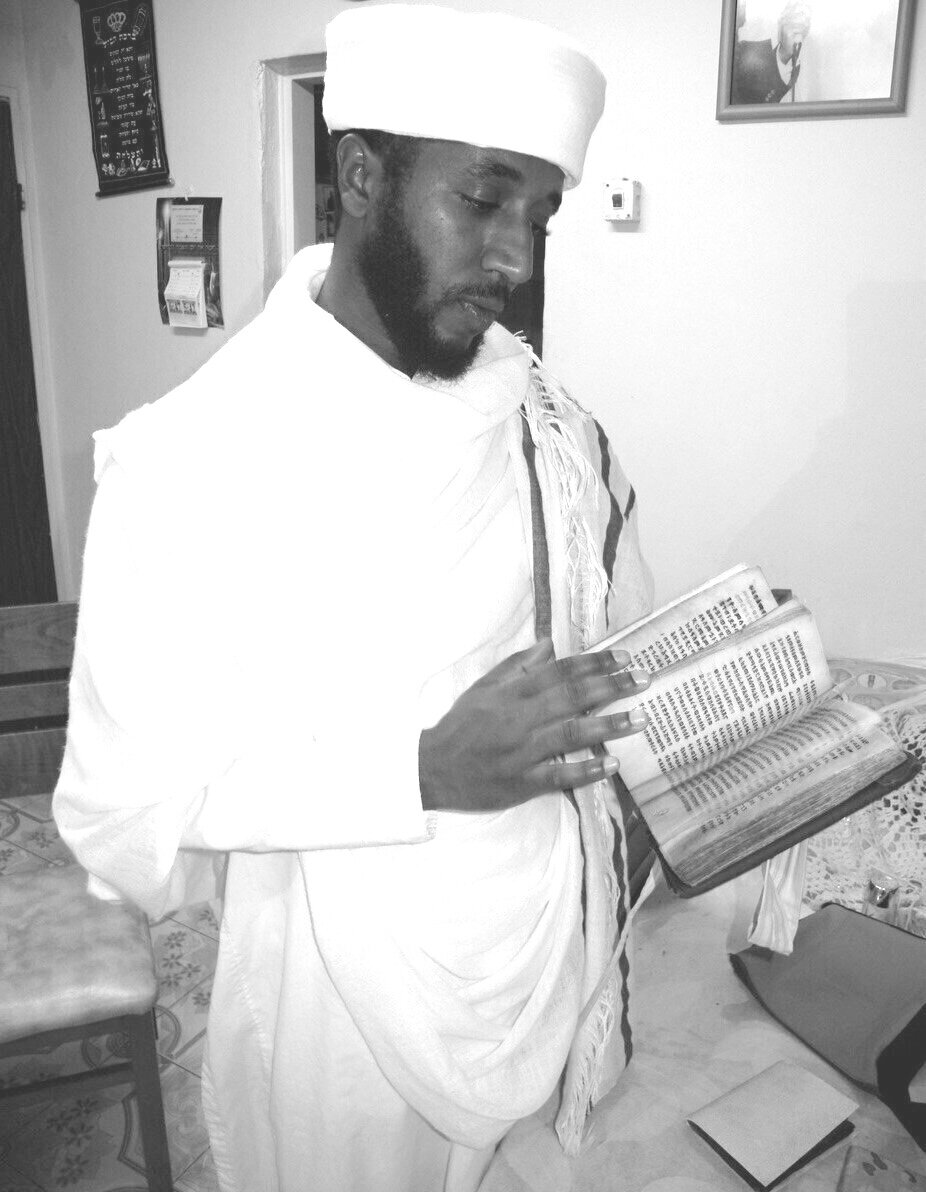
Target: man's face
445, 247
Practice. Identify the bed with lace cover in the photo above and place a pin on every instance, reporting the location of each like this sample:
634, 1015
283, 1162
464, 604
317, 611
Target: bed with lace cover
891, 833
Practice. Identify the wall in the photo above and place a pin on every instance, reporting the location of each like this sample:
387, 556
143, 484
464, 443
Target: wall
762, 351
755, 348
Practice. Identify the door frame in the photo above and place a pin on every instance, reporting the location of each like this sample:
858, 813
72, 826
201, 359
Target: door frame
275, 92
41, 348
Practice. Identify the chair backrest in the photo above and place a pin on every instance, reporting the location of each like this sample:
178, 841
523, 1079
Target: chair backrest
36, 648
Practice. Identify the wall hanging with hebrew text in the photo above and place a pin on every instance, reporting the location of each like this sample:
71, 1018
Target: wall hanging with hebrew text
122, 90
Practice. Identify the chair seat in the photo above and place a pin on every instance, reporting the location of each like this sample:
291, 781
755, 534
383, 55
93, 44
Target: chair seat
68, 958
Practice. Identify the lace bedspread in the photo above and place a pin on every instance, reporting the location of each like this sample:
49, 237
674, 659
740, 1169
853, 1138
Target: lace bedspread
891, 834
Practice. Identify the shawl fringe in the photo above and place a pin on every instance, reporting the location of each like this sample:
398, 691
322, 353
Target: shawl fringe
546, 405
584, 1086
593, 1064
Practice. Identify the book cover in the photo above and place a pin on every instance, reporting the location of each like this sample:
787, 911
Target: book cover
774, 1123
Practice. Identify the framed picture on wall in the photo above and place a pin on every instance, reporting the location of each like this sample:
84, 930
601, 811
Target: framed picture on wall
794, 59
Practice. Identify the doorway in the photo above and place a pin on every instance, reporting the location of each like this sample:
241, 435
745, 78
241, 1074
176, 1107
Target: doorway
313, 186
27, 571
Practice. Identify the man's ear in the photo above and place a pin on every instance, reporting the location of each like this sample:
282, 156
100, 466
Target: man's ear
359, 174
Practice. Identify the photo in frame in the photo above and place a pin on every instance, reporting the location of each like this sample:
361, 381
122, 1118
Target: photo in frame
800, 59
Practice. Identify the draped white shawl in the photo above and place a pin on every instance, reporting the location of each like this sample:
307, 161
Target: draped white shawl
257, 629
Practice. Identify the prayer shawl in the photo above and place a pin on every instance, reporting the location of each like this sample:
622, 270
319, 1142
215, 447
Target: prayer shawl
274, 555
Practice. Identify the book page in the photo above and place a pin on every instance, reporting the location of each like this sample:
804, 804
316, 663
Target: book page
700, 802
706, 708
696, 621
769, 788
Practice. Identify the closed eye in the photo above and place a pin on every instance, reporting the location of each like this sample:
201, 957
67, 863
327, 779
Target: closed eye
486, 206
482, 205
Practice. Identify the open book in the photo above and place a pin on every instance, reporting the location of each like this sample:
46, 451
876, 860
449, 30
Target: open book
750, 748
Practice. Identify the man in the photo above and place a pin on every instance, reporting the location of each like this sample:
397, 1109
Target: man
765, 71
324, 583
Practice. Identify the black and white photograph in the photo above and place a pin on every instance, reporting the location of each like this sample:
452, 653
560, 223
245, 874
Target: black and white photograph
462, 572
783, 59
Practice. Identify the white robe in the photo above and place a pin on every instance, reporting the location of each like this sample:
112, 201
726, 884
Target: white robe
296, 561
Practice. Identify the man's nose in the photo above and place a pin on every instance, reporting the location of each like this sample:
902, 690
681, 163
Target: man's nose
510, 252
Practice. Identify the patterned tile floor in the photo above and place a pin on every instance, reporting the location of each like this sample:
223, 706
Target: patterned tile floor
91, 1143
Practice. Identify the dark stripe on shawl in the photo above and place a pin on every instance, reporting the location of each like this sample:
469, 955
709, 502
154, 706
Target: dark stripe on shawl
616, 519
543, 605
626, 1033
623, 963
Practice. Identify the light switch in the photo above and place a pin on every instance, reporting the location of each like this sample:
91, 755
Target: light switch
622, 200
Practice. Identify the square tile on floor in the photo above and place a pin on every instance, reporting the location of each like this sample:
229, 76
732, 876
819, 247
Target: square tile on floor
184, 957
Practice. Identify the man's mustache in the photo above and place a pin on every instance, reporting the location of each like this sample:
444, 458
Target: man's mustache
491, 294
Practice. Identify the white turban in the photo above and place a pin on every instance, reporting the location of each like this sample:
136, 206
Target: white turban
487, 79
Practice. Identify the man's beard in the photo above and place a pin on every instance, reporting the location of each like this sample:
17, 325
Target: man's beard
394, 272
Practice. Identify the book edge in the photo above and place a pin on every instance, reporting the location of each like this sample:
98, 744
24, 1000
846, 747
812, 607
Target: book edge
889, 781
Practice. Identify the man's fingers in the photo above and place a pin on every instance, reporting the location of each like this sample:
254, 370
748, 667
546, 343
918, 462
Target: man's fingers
537, 668
548, 672
504, 739
583, 732
578, 693
561, 776
597, 662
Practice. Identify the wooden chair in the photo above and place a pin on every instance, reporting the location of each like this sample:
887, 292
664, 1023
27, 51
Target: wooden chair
71, 966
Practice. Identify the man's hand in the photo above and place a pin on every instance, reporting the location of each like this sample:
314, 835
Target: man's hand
793, 27
502, 741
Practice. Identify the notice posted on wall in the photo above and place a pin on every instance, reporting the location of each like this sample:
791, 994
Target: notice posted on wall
187, 231
184, 294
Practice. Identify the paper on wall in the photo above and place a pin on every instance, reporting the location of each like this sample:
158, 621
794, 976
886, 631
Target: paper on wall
185, 295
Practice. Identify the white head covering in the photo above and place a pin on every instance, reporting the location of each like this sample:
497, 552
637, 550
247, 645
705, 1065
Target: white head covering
486, 79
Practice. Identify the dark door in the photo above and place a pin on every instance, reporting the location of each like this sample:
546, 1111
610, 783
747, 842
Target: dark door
27, 574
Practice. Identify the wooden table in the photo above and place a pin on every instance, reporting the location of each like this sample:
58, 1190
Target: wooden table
697, 1033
